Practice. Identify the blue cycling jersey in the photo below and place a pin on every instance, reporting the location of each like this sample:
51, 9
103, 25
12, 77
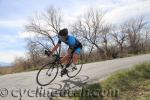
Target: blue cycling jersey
71, 41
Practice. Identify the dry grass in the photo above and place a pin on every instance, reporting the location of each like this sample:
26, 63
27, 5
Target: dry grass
5, 70
8, 70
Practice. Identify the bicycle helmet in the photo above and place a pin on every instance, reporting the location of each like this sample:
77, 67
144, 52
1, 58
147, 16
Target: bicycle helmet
63, 32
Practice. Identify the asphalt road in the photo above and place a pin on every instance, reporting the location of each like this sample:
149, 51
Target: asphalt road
23, 86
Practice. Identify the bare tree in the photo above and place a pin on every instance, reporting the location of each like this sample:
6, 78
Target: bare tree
145, 40
46, 27
19, 64
133, 29
47, 24
105, 37
33, 54
119, 37
147, 37
89, 27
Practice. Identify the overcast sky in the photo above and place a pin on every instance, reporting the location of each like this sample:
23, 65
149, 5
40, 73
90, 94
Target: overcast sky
15, 13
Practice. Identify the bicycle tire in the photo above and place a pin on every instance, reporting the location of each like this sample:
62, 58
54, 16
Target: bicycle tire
42, 68
71, 60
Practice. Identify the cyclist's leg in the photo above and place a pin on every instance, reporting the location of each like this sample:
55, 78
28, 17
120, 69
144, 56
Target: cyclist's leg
65, 59
76, 55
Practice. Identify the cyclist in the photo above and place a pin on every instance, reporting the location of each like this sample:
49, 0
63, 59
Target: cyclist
75, 48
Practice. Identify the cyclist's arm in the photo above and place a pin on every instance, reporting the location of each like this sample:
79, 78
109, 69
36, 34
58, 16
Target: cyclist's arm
55, 47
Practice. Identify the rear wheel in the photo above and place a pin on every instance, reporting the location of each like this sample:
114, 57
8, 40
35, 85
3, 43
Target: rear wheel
74, 70
47, 74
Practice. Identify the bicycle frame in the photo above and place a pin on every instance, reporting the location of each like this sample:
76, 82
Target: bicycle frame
58, 59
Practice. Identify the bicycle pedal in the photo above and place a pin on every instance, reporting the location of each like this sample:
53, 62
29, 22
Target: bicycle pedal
74, 68
63, 72
49, 75
61, 75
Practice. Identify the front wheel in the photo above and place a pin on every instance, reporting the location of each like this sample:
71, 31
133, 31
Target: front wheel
74, 70
47, 74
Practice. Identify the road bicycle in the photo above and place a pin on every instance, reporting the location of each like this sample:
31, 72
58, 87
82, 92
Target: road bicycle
48, 72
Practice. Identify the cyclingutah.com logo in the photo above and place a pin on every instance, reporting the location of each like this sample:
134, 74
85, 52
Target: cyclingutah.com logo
42, 92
